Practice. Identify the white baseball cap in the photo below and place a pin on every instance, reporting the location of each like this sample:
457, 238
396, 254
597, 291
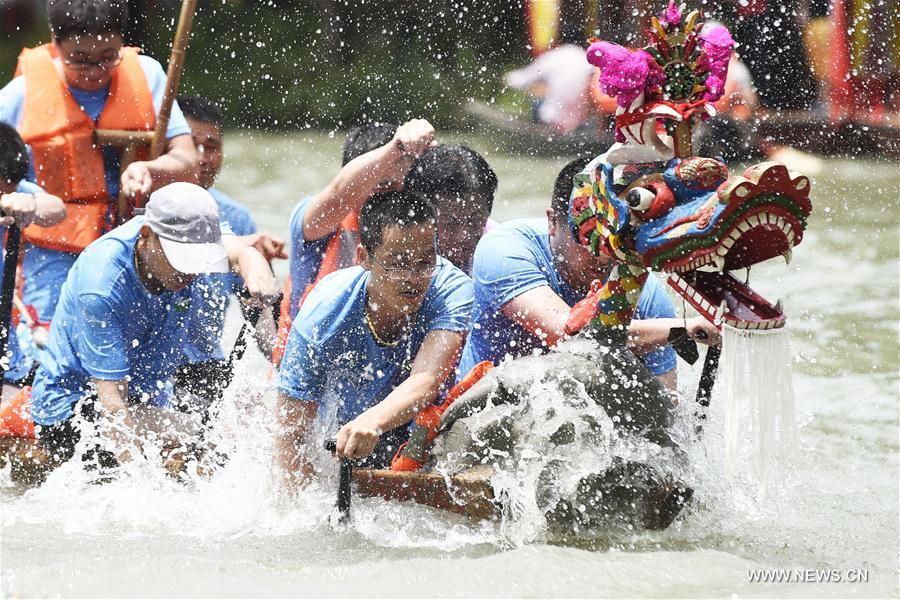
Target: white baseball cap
186, 219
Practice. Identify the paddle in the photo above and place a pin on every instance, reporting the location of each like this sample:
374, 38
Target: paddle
346, 475
11, 260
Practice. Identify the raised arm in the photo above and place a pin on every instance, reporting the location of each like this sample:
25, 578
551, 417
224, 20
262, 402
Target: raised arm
436, 359
386, 166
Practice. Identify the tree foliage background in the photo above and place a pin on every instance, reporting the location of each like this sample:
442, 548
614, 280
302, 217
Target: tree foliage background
326, 63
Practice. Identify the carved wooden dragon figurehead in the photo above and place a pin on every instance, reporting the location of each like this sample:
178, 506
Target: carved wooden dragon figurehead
648, 204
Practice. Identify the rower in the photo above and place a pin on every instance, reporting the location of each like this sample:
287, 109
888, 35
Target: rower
84, 80
529, 273
328, 218
121, 323
22, 203
372, 344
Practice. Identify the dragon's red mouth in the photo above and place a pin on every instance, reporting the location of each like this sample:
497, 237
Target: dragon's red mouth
704, 281
722, 298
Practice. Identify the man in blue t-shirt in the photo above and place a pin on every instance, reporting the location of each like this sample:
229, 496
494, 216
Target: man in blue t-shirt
125, 309
22, 203
372, 344
527, 275
87, 43
206, 371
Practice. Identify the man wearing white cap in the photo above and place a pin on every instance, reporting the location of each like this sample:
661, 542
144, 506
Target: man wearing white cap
119, 328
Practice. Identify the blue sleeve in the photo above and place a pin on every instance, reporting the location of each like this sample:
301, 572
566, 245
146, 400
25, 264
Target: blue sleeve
156, 81
100, 345
452, 302
241, 221
504, 267
26, 187
12, 97
305, 257
301, 375
654, 303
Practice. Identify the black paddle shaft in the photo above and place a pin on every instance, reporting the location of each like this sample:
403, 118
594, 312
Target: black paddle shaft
346, 475
10, 262
708, 376
240, 344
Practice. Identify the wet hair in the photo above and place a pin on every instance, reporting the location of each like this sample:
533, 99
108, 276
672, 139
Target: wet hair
399, 208
86, 17
13, 156
449, 170
366, 138
562, 188
201, 108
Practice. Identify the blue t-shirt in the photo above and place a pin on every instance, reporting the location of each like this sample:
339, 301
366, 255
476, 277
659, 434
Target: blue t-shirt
306, 257
108, 326
331, 357
514, 258
44, 269
212, 292
19, 363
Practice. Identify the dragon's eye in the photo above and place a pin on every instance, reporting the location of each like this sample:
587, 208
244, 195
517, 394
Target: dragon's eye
640, 198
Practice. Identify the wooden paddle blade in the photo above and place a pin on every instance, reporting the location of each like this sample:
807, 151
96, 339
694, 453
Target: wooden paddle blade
470, 492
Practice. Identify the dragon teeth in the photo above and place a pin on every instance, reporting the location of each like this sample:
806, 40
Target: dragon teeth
720, 263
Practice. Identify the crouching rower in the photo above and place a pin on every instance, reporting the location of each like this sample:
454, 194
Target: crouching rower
372, 344
119, 328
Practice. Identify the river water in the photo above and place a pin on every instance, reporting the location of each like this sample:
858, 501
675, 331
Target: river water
835, 516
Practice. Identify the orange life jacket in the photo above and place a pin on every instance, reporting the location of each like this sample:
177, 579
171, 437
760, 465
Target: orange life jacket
414, 452
340, 253
67, 161
15, 415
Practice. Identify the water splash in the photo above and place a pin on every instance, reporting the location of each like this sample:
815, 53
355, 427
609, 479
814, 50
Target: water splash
549, 453
757, 391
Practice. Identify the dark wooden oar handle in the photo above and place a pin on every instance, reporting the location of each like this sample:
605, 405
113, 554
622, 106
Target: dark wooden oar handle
346, 476
11, 260
708, 376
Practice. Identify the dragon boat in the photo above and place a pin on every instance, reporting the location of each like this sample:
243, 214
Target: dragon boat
651, 206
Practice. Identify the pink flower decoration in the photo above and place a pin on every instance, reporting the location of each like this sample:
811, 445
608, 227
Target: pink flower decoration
715, 88
624, 74
717, 43
671, 17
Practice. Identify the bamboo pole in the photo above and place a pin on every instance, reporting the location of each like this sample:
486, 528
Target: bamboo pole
173, 75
